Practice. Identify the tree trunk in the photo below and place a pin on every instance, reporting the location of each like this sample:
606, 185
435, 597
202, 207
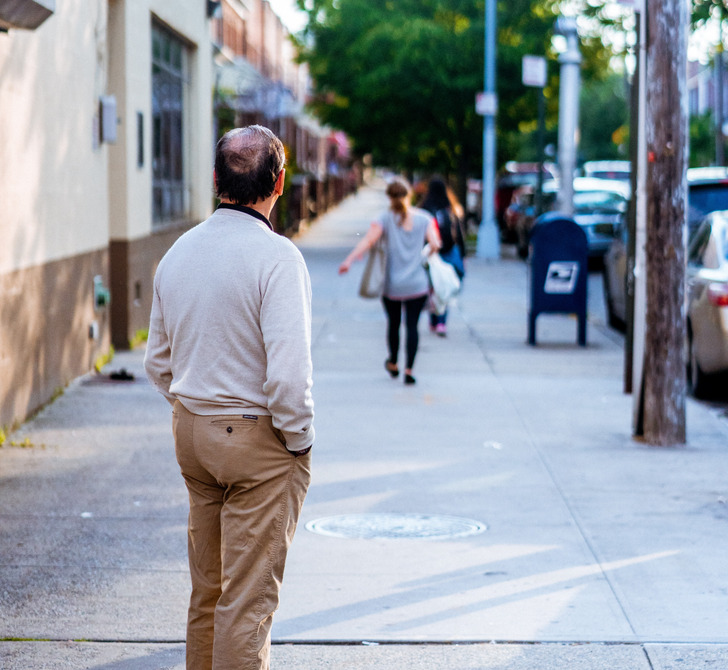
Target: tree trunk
664, 362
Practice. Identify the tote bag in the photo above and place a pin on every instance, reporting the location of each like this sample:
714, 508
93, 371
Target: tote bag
375, 270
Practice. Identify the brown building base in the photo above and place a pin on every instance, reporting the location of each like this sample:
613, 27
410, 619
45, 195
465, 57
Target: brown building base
132, 267
51, 331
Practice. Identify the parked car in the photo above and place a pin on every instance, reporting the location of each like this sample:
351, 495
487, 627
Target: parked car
514, 177
614, 276
707, 301
707, 192
600, 205
607, 170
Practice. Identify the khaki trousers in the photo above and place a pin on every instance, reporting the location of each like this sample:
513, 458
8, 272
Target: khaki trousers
246, 491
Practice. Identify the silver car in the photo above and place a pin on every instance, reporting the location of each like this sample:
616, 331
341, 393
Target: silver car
707, 192
620, 170
600, 206
707, 301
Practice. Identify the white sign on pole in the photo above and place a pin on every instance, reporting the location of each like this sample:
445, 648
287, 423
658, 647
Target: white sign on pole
486, 104
637, 5
534, 71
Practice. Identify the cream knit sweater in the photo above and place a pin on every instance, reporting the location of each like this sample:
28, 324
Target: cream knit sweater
230, 329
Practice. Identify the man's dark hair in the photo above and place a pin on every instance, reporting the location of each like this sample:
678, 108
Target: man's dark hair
247, 163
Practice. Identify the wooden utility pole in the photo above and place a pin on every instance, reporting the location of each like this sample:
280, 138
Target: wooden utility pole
664, 377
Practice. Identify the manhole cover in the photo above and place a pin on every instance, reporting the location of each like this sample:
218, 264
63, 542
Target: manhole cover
395, 526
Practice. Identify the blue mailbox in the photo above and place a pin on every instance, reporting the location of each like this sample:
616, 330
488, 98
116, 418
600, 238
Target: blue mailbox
558, 271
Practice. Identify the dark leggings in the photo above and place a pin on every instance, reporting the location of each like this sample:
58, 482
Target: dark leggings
412, 310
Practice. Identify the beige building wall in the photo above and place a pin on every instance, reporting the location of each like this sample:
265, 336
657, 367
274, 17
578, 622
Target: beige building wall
131, 81
136, 243
76, 210
54, 219
53, 186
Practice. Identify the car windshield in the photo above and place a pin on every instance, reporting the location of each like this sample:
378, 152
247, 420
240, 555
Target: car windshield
706, 198
599, 201
520, 179
708, 243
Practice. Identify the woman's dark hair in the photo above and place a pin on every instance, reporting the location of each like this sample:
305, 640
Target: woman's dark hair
436, 196
247, 163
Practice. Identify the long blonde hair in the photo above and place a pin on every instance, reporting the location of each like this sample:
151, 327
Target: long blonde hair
398, 191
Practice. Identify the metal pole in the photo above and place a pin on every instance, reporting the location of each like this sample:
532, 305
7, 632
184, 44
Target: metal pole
570, 61
541, 136
636, 122
639, 306
488, 231
639, 153
719, 112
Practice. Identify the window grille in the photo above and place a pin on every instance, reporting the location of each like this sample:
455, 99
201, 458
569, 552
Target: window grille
170, 201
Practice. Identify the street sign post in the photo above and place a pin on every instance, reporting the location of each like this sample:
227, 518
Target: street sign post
488, 237
535, 75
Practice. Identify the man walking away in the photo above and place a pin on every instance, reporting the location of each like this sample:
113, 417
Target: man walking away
230, 348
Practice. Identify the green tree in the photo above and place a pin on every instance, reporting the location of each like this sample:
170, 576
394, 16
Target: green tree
704, 11
400, 76
702, 127
604, 111
702, 139
524, 27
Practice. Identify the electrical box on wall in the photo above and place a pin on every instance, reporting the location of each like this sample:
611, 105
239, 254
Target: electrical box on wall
140, 140
107, 115
102, 295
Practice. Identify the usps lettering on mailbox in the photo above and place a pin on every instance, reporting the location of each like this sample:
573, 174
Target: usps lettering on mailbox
561, 277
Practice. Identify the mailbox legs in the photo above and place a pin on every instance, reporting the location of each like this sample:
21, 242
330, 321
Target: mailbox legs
582, 329
532, 328
581, 334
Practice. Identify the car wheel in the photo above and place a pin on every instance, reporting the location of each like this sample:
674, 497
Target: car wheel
698, 379
612, 319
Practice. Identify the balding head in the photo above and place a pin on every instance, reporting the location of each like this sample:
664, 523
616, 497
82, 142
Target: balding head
247, 163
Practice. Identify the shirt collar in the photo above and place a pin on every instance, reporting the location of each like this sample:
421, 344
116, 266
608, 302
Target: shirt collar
246, 210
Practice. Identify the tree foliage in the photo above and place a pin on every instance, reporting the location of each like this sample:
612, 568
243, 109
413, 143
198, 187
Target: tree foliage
400, 76
604, 110
701, 12
705, 11
702, 139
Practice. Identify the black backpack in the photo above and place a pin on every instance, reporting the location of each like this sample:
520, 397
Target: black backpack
447, 229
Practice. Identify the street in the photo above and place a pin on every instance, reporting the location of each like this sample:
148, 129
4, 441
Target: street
498, 514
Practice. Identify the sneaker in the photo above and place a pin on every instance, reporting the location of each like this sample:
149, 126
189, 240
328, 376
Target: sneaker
441, 329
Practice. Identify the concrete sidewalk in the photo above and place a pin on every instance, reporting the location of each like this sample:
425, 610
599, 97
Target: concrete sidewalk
586, 550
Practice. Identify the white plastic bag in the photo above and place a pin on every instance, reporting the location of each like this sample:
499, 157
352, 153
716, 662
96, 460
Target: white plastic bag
443, 279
